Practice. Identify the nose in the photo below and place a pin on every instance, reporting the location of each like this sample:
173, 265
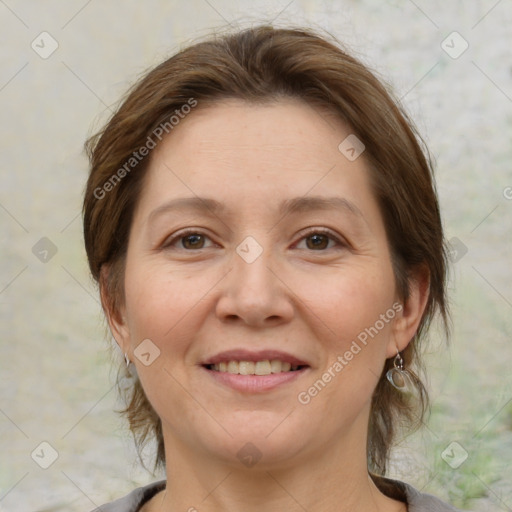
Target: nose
255, 293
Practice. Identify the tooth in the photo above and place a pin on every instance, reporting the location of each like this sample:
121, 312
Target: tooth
275, 366
233, 367
246, 368
265, 367
262, 368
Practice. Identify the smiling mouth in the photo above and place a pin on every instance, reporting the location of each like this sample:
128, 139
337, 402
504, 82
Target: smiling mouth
265, 367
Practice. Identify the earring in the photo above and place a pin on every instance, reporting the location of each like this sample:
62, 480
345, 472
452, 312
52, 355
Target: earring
130, 368
125, 379
398, 376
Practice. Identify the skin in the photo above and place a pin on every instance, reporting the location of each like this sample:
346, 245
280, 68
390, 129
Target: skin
309, 301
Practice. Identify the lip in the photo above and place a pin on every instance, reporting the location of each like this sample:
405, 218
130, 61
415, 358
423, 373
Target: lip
254, 356
254, 383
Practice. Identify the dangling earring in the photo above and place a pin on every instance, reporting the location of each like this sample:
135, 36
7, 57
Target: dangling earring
131, 370
398, 376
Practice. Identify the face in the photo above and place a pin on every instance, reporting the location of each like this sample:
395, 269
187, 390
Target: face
260, 301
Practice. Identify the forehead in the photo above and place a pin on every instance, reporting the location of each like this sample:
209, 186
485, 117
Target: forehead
270, 128
257, 155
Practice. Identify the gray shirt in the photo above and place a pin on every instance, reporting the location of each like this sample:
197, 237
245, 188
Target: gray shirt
416, 501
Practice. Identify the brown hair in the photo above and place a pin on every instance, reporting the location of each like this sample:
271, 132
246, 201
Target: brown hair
262, 64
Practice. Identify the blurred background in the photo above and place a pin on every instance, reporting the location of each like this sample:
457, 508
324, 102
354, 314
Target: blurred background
64, 66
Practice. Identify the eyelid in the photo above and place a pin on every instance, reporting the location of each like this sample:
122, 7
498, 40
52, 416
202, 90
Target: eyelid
324, 231
176, 237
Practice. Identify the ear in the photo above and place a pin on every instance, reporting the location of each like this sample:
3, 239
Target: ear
112, 307
407, 321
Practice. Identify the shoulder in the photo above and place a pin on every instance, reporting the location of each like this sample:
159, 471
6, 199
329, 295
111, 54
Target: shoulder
419, 502
133, 501
416, 501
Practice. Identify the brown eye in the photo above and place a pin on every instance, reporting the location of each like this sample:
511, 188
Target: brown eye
318, 241
194, 241
187, 240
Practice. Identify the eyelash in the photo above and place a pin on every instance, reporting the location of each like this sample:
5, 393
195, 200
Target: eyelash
191, 231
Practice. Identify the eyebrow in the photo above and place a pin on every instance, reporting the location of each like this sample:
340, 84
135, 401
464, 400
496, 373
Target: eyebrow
289, 206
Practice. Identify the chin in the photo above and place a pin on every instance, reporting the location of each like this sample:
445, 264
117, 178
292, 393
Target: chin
260, 440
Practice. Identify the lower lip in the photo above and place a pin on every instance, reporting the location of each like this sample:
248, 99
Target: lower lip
255, 383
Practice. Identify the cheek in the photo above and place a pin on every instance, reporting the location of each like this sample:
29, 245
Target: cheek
153, 302
359, 314
357, 308
158, 308
152, 305
351, 300
167, 305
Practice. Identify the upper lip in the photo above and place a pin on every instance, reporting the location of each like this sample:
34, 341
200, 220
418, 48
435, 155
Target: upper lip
254, 356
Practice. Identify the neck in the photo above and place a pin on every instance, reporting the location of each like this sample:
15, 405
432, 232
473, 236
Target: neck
337, 480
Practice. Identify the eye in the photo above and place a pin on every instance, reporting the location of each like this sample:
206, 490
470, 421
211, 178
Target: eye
319, 239
189, 238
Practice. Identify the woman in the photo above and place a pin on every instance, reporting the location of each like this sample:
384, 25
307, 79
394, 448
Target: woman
265, 231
